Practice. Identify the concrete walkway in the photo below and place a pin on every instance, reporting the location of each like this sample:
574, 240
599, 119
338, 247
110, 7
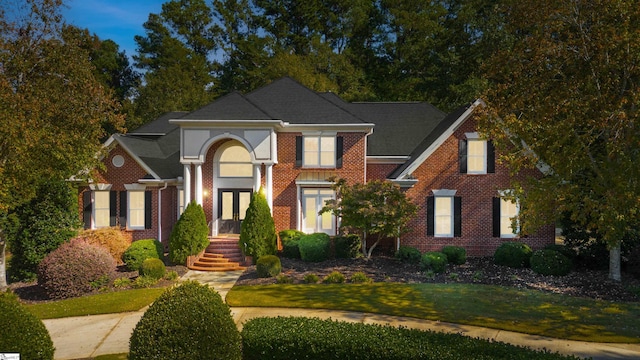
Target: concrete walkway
90, 336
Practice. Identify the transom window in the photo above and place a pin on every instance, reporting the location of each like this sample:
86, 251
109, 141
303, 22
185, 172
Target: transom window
235, 161
136, 216
319, 151
101, 209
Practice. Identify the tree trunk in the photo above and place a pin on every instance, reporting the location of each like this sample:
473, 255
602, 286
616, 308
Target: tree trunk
614, 262
3, 267
364, 244
372, 247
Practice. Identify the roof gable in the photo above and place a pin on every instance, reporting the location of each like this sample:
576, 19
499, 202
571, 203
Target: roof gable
233, 106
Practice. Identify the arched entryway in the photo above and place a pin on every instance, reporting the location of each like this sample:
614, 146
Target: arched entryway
233, 181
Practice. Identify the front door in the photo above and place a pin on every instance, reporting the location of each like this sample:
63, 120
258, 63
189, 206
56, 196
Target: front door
232, 207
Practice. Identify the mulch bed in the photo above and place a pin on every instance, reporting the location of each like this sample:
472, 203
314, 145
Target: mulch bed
590, 284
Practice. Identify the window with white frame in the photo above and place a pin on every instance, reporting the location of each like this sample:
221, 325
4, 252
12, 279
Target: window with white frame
313, 199
509, 210
319, 151
476, 156
136, 209
443, 216
101, 209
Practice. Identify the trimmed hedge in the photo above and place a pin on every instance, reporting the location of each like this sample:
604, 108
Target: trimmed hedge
189, 235
140, 251
289, 240
153, 268
75, 268
455, 254
434, 260
347, 246
268, 266
285, 338
408, 254
22, 332
315, 247
550, 262
186, 322
513, 254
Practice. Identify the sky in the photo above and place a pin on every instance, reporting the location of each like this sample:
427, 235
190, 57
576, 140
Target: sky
118, 20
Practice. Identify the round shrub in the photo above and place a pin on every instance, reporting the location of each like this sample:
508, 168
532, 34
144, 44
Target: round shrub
408, 254
189, 235
550, 262
347, 246
140, 251
289, 240
153, 268
315, 247
24, 332
268, 266
335, 277
186, 322
311, 279
563, 249
111, 239
75, 269
455, 254
513, 254
434, 261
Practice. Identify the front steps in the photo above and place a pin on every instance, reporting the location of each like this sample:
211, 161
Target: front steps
222, 254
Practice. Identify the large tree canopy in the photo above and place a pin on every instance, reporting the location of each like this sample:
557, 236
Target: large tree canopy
52, 108
565, 87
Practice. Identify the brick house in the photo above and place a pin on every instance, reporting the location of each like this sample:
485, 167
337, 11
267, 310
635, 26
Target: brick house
289, 140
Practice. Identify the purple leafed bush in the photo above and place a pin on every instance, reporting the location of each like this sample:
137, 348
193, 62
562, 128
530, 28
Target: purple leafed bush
75, 268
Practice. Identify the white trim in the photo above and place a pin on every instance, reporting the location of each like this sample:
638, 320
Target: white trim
100, 187
444, 192
135, 187
440, 140
473, 136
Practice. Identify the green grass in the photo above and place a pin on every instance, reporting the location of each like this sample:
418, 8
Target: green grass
523, 311
107, 303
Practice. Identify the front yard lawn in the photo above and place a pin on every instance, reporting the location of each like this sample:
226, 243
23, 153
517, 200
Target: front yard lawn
519, 310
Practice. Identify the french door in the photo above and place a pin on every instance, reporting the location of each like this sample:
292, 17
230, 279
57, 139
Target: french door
232, 207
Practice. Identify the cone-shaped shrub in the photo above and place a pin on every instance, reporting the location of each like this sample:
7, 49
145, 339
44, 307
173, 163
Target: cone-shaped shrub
186, 322
190, 234
258, 231
23, 332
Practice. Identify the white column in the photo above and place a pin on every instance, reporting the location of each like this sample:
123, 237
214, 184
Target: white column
269, 185
199, 191
257, 177
187, 185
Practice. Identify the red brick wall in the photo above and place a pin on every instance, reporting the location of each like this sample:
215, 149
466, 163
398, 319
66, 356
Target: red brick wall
380, 171
285, 173
130, 173
441, 171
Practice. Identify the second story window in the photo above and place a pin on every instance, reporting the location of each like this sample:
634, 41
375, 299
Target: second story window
319, 151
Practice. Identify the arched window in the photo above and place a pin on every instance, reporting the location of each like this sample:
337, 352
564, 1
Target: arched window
235, 161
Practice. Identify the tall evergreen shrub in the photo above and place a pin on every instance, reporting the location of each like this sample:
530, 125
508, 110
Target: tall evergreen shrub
258, 231
190, 234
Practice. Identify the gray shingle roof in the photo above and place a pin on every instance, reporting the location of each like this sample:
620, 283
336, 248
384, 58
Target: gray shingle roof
401, 128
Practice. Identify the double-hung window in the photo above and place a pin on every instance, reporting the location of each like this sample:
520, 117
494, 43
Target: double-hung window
444, 214
476, 155
136, 216
101, 209
505, 217
319, 150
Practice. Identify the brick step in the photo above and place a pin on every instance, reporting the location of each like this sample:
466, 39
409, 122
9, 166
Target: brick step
221, 269
222, 254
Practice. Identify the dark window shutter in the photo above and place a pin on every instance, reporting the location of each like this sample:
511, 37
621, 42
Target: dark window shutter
462, 155
123, 209
148, 221
491, 158
457, 216
87, 209
496, 217
298, 151
113, 207
430, 213
339, 151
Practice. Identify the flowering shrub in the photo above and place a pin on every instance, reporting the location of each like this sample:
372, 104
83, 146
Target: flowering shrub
74, 268
111, 239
